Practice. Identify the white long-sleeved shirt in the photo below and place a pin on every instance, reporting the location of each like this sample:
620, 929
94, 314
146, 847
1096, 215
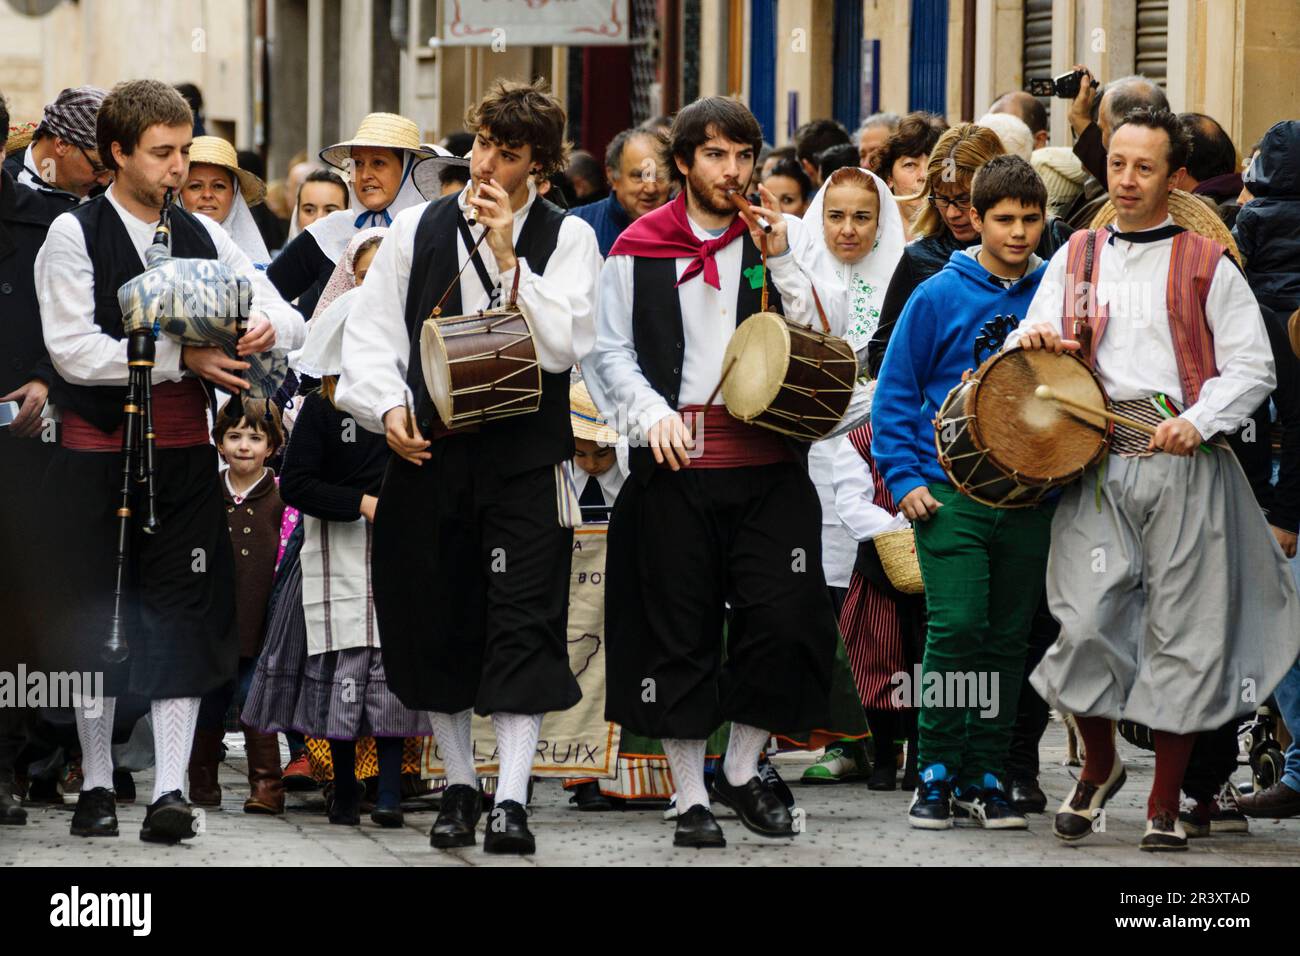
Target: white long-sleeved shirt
855, 494
839, 548
65, 282
560, 305
1135, 357
617, 384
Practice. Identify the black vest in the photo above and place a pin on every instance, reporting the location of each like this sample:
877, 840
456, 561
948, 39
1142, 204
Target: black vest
657, 331
521, 442
113, 256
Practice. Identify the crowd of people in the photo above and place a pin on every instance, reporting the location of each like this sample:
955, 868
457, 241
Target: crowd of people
350, 566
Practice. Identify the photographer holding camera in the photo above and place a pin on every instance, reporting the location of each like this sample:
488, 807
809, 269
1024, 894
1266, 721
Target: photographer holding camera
1093, 115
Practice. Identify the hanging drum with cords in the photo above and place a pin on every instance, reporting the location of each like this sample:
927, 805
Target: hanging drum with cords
1007, 448
481, 367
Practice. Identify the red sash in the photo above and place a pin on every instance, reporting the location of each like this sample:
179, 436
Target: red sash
180, 420
722, 441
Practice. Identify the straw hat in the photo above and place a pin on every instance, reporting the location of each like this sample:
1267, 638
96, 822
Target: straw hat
18, 137
586, 419
215, 150
1189, 212
378, 129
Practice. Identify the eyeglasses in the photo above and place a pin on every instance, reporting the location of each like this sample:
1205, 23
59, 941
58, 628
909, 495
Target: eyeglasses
943, 202
99, 169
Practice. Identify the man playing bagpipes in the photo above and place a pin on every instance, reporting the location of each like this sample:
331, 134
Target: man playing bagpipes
155, 517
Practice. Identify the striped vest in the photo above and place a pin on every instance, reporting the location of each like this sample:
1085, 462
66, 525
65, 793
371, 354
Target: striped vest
1192, 262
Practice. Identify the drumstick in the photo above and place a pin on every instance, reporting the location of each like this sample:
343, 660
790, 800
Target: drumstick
742, 204
410, 419
1045, 392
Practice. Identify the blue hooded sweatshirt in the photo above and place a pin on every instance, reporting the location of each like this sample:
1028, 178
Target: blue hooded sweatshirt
931, 347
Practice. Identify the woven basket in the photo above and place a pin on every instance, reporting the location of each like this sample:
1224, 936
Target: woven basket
897, 551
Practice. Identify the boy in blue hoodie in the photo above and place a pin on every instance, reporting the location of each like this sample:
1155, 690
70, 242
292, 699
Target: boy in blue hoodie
983, 567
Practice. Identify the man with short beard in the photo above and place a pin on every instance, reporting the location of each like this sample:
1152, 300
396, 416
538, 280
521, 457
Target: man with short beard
179, 602
739, 523
471, 554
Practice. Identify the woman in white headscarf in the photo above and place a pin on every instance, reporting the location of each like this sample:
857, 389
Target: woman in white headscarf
217, 188
378, 163
849, 244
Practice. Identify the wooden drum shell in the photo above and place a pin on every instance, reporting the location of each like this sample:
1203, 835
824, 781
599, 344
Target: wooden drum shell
481, 367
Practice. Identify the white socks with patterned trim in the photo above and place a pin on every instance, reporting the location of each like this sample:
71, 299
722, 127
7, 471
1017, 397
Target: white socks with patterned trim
174, 719
96, 736
516, 746
686, 761
455, 744
743, 749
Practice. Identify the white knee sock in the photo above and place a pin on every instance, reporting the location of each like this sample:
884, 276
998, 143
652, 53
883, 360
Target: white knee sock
686, 761
516, 746
457, 748
743, 748
173, 735
96, 736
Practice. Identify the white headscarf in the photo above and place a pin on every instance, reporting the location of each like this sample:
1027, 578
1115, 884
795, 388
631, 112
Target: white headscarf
242, 228
322, 351
333, 232
857, 289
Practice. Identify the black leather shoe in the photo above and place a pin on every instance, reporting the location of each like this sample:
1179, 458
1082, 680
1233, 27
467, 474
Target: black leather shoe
12, 813
507, 829
587, 797
343, 805
697, 828
390, 818
457, 816
96, 814
169, 819
883, 777
759, 809
1027, 796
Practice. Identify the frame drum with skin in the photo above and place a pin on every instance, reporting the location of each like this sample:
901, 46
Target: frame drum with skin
1003, 446
791, 379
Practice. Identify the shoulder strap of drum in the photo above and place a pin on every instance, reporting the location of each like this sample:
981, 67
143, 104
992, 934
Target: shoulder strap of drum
479, 267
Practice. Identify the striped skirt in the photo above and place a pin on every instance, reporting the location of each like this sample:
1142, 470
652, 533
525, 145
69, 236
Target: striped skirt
882, 630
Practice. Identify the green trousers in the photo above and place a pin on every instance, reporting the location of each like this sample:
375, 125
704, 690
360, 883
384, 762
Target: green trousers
984, 570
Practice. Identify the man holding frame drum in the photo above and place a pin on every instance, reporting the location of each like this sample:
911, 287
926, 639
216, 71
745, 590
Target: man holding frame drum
472, 540
722, 513
1177, 608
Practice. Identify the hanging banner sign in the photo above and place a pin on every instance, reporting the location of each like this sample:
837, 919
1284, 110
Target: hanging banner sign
501, 24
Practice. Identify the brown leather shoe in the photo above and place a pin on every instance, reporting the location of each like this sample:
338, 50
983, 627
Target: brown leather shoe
205, 760
265, 783
1276, 802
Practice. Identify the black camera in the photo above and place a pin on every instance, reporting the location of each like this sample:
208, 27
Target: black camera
1065, 86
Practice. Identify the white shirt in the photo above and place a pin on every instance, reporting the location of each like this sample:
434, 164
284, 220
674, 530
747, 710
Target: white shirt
617, 384
839, 547
377, 345
855, 494
1135, 357
65, 282
610, 481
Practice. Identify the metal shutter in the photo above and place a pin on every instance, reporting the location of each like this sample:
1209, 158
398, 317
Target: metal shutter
928, 73
846, 74
1037, 51
1153, 39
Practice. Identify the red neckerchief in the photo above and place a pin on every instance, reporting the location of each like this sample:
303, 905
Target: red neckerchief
666, 234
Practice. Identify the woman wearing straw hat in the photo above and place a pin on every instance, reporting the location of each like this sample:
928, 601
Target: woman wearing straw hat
217, 188
378, 163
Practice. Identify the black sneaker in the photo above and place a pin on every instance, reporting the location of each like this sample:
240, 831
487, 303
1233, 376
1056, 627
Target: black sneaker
987, 807
96, 814
931, 807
